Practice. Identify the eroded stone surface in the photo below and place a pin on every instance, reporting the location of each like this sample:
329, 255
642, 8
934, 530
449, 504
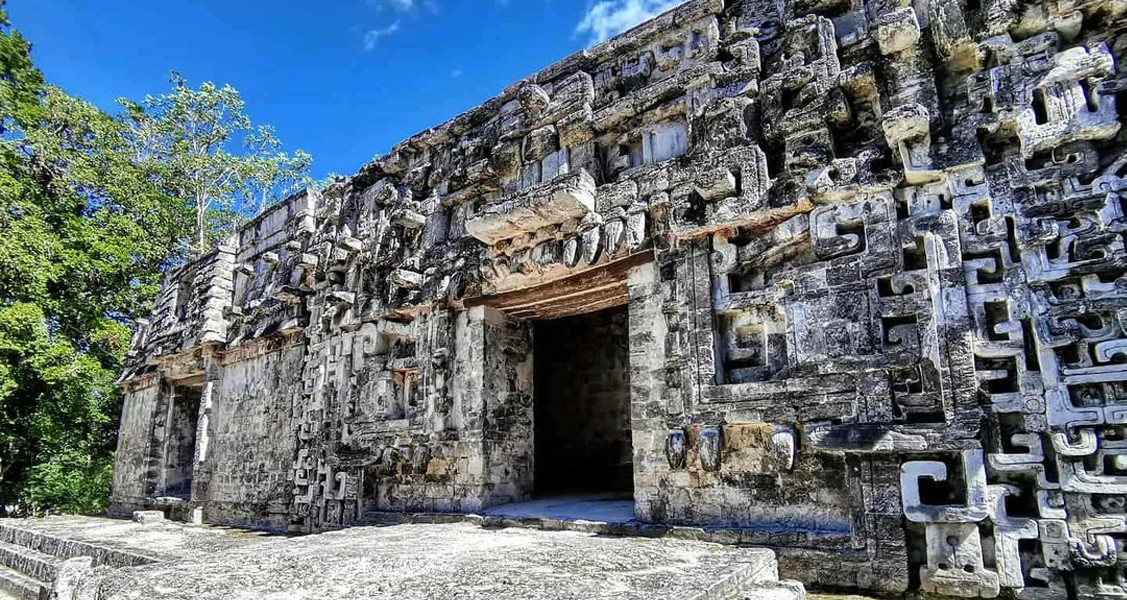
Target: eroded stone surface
440, 562
873, 262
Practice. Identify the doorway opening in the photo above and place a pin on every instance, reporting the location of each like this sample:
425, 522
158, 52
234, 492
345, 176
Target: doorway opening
180, 443
582, 407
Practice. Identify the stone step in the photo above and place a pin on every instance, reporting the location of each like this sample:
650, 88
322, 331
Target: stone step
738, 536
30, 562
754, 575
21, 586
63, 548
782, 590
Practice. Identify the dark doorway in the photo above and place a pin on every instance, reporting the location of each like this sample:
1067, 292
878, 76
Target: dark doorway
582, 404
180, 445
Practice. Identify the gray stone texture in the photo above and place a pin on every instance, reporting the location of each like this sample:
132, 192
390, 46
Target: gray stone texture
454, 559
459, 561
872, 261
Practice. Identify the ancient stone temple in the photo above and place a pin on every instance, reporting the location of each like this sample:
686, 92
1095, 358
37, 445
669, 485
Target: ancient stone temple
843, 278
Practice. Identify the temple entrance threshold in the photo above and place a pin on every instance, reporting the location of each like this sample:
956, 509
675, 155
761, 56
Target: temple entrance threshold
610, 507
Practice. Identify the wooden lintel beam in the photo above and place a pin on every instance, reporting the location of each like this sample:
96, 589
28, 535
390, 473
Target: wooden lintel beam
604, 286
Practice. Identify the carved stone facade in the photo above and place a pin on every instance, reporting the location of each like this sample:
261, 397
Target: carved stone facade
872, 261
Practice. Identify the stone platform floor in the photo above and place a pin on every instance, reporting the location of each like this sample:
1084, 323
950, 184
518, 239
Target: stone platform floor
457, 561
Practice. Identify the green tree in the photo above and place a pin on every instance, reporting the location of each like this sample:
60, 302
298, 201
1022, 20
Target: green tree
270, 174
93, 208
211, 155
21, 84
84, 234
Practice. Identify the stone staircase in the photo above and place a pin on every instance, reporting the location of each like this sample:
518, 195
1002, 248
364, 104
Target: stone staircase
30, 560
26, 574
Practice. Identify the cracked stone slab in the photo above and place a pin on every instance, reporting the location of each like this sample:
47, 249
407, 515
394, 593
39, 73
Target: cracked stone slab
447, 561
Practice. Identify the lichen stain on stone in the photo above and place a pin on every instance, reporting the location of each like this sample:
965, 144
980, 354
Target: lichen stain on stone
749, 435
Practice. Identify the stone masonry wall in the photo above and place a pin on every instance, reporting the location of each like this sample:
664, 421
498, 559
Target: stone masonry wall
133, 444
244, 470
507, 421
872, 253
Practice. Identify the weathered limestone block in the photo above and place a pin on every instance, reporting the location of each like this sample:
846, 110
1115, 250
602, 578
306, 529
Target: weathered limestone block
709, 448
907, 130
74, 580
570, 198
406, 279
676, 449
898, 30
148, 517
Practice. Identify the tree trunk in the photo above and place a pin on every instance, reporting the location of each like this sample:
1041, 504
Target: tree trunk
201, 223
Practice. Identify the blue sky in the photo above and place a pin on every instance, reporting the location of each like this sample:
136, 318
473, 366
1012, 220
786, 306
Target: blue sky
342, 79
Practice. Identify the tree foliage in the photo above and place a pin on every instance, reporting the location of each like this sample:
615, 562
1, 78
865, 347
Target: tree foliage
93, 207
210, 154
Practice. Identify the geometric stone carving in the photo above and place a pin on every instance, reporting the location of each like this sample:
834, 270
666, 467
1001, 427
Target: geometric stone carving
974, 509
955, 564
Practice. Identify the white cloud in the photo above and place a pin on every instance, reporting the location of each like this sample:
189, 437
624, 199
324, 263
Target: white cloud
405, 11
609, 18
405, 6
373, 36
456, 73
396, 5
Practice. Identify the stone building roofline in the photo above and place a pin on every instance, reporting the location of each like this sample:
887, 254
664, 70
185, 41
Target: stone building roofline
233, 240
585, 59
